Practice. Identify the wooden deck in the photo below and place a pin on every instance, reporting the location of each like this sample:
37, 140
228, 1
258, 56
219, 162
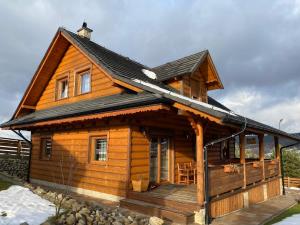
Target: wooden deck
172, 202
175, 192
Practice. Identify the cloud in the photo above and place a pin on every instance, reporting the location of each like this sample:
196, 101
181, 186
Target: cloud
256, 105
255, 45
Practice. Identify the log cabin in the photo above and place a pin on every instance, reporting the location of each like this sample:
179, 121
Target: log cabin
120, 122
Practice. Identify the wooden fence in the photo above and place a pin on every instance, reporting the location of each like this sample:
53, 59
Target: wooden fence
292, 182
12, 149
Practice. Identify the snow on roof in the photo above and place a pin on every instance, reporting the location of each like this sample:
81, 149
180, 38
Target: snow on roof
150, 74
183, 97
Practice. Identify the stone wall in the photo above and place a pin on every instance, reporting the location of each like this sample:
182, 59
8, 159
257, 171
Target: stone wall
15, 167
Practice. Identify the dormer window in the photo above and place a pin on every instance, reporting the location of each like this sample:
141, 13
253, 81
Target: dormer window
62, 88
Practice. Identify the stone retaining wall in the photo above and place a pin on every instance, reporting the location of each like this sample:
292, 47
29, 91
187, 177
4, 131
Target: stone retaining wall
15, 167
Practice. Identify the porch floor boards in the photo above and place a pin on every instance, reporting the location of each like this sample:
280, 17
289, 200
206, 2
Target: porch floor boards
175, 192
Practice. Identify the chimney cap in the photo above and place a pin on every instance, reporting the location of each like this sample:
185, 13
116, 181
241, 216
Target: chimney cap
84, 27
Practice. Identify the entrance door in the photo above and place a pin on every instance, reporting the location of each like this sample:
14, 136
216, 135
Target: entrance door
159, 159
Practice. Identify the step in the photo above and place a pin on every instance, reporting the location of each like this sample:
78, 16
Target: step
179, 205
165, 213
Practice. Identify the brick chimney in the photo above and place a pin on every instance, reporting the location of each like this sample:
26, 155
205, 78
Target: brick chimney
84, 31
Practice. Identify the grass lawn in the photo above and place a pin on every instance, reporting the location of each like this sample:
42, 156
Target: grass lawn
4, 185
291, 211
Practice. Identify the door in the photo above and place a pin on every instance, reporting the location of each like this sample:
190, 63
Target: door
159, 159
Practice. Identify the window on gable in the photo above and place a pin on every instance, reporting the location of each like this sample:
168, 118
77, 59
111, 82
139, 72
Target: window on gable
62, 88
99, 148
83, 80
46, 148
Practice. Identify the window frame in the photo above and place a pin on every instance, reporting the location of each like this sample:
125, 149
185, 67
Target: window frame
42, 150
59, 79
92, 149
77, 75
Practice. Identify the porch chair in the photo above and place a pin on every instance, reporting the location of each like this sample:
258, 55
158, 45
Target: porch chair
185, 173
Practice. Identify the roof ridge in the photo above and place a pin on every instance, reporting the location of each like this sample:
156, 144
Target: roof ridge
106, 49
178, 60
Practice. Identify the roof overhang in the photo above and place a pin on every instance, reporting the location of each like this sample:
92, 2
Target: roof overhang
107, 114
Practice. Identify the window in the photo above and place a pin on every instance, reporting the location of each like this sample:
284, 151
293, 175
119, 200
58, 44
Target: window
99, 148
46, 148
85, 82
62, 88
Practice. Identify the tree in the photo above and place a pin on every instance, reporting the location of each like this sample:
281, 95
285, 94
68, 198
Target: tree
291, 163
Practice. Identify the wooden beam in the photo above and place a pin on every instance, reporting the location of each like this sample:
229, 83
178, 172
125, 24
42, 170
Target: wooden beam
197, 112
262, 153
277, 152
242, 143
200, 163
28, 107
242, 148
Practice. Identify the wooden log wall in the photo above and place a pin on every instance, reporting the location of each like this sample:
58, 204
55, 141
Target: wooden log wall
74, 61
73, 147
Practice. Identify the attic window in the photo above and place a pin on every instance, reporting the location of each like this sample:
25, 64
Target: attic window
83, 81
149, 74
62, 88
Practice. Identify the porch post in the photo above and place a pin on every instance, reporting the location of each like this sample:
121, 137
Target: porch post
262, 152
242, 156
277, 153
200, 163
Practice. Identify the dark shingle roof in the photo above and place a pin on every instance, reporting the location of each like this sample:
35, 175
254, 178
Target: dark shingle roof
98, 105
119, 66
179, 67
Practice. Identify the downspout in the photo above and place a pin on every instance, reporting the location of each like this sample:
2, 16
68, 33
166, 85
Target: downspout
207, 197
281, 163
30, 150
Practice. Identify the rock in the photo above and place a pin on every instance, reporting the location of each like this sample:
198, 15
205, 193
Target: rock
155, 221
117, 223
3, 214
39, 191
130, 218
70, 220
24, 223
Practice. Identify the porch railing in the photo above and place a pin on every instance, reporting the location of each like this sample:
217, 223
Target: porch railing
243, 175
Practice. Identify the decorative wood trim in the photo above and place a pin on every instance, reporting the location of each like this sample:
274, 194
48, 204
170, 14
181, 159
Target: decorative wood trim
96, 116
197, 112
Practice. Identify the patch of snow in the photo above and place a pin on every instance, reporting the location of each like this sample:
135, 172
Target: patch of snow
291, 220
293, 188
183, 97
149, 74
22, 205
